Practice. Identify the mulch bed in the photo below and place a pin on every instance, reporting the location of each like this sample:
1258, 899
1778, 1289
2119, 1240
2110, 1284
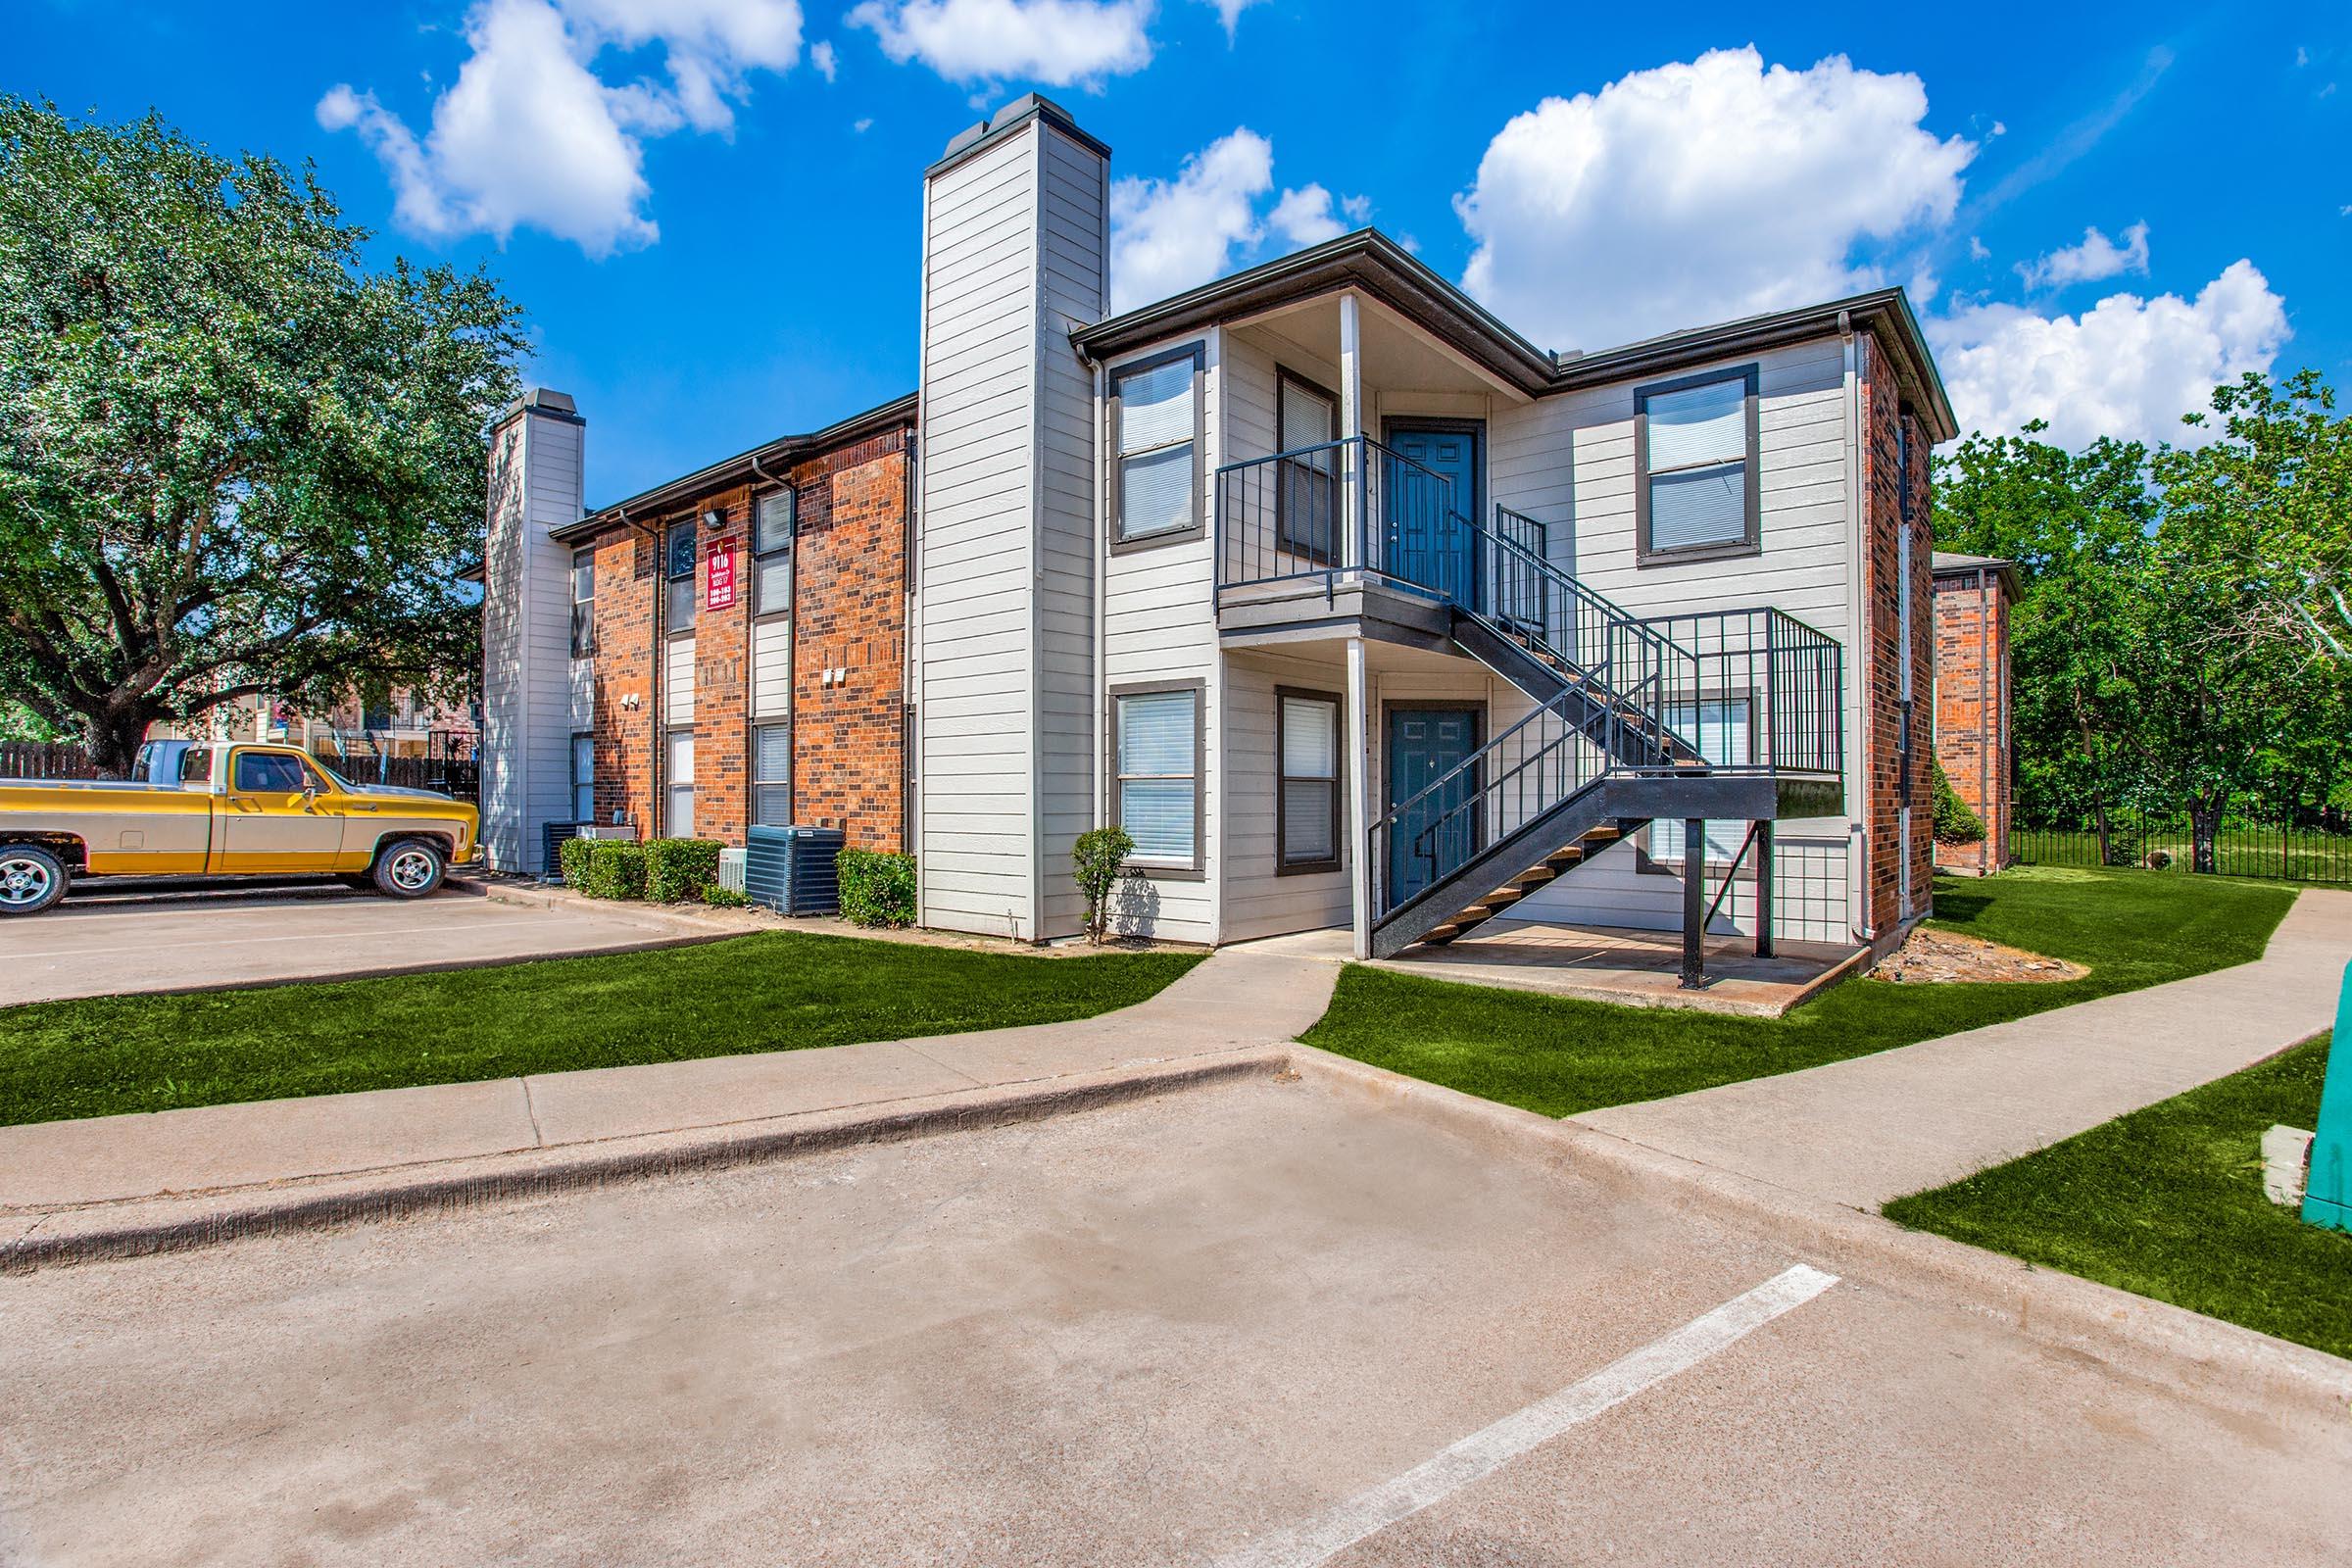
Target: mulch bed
1940, 957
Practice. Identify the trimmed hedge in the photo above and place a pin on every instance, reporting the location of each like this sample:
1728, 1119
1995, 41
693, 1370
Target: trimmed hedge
616, 870
572, 859
877, 887
719, 897
678, 871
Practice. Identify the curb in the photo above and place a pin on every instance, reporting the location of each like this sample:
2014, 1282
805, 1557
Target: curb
148, 1226
2135, 1334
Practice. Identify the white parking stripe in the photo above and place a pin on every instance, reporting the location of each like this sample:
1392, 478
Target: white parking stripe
1485, 1452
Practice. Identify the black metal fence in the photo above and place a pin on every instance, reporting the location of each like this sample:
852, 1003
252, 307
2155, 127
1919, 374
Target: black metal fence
2312, 847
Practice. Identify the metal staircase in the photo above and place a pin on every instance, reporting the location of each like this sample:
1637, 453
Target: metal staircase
1610, 745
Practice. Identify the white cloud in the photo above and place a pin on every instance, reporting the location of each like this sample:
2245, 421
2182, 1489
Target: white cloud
1977, 251
862, 126
530, 137
822, 57
1057, 43
1167, 235
2127, 367
1229, 12
1694, 193
1304, 216
2095, 258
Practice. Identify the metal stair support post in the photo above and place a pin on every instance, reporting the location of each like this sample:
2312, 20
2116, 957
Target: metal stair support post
1764, 942
1694, 903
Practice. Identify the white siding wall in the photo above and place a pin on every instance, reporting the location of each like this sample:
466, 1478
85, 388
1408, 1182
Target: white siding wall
526, 635
1257, 902
1073, 287
1160, 624
1569, 461
1015, 258
771, 668
977, 476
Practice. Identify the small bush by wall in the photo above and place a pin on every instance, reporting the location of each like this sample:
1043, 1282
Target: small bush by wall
677, 871
877, 887
719, 897
616, 870
1955, 823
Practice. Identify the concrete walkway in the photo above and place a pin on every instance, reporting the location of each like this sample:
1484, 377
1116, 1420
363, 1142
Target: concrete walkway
1873, 1129
1235, 1000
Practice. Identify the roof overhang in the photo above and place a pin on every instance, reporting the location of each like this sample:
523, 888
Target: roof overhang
1952, 563
1367, 260
728, 473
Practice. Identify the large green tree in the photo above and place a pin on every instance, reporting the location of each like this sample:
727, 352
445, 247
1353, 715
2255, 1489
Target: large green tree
233, 459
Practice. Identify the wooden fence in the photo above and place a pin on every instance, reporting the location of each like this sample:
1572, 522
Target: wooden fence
449, 776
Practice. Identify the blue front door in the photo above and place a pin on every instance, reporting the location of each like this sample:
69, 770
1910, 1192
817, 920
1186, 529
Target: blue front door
1429, 537
1439, 832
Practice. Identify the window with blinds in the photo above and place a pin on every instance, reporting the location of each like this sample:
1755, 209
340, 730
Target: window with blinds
1697, 480
678, 570
1306, 739
583, 778
583, 602
1158, 785
1157, 421
1306, 497
774, 522
1725, 735
678, 775
772, 775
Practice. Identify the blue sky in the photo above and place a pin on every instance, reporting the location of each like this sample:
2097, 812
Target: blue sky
709, 207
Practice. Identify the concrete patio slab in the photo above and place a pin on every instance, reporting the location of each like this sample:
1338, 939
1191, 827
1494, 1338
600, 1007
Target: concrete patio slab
1872, 1129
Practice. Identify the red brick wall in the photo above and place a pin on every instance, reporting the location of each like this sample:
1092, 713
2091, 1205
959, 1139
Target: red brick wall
1882, 485
849, 734
848, 612
1972, 680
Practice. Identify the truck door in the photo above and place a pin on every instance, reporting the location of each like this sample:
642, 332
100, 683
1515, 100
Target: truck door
278, 814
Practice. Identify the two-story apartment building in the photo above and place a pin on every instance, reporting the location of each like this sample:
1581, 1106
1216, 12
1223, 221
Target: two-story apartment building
1357, 610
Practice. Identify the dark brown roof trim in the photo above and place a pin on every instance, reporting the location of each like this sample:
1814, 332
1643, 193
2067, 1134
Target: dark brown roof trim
730, 471
1367, 260
1885, 313
1372, 262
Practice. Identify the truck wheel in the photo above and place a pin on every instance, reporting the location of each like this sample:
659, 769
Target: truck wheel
30, 879
409, 869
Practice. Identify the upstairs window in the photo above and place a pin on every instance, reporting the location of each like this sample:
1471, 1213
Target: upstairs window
1306, 499
775, 520
678, 569
1158, 798
1155, 420
1695, 468
583, 602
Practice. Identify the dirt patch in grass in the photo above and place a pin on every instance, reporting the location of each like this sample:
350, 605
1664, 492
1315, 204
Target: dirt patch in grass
1929, 956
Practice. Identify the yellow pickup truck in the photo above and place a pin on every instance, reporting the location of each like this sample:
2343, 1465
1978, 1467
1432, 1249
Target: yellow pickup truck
227, 808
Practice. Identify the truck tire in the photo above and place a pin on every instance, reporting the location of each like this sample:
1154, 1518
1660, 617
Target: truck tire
32, 879
409, 869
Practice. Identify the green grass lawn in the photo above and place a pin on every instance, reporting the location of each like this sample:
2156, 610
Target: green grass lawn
2168, 1203
1558, 1057
781, 990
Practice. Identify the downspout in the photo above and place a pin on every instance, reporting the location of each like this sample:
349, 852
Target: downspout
1858, 608
1991, 723
1100, 722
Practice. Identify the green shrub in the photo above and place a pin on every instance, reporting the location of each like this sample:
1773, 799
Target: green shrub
1098, 859
1955, 823
877, 887
719, 897
572, 859
616, 870
677, 871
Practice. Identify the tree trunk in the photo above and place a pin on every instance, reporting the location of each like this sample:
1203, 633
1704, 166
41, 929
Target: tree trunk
2098, 819
113, 734
2204, 828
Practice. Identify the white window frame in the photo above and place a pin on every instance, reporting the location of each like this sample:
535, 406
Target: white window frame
760, 783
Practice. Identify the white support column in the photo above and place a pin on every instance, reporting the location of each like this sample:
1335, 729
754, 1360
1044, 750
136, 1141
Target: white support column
1351, 426
1359, 799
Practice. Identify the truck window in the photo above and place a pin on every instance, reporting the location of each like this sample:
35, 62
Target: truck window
269, 774
196, 767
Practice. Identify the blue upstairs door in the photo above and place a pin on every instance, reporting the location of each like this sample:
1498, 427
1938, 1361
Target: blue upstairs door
1441, 831
1429, 535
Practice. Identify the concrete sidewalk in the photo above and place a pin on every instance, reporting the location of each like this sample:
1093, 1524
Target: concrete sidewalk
1874, 1128
1234, 1001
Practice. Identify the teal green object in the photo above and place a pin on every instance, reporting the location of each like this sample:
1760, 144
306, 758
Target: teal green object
2327, 1196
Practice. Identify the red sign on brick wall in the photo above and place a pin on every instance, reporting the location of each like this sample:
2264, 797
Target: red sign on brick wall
719, 593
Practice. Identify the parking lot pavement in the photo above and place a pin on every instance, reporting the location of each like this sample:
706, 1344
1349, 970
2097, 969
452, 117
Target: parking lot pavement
1269, 1322
117, 935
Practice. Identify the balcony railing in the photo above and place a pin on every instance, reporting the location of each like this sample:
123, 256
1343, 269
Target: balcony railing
1287, 518
1762, 692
